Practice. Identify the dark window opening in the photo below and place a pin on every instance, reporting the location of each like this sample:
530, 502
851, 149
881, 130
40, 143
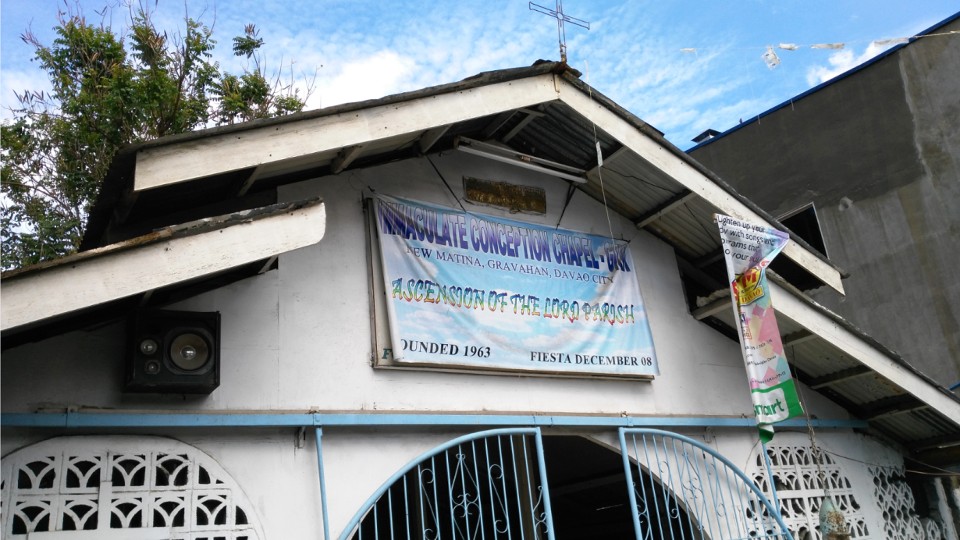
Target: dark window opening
802, 223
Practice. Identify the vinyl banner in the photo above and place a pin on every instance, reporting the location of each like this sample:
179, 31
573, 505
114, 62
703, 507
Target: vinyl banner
465, 289
748, 249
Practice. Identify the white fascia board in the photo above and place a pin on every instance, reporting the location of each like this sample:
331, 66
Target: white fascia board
179, 162
120, 273
822, 325
688, 176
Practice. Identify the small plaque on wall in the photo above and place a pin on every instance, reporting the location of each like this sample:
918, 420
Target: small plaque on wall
512, 197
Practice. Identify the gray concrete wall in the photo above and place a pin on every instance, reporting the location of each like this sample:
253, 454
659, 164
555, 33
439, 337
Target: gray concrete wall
878, 154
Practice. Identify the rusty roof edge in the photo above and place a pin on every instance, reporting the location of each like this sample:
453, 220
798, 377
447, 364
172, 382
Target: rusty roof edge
114, 183
540, 67
850, 327
123, 164
655, 134
181, 230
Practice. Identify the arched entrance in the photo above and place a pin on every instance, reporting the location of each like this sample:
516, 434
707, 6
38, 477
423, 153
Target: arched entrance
494, 484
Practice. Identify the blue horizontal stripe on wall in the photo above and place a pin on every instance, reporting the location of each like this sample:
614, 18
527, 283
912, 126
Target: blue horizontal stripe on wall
250, 420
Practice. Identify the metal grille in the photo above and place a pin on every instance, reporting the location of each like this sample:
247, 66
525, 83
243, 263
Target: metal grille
682, 489
487, 485
801, 489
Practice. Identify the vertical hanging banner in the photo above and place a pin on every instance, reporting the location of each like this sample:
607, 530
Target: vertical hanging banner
748, 249
483, 292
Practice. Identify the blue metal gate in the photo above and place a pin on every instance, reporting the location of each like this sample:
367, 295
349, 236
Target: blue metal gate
493, 485
682, 489
487, 485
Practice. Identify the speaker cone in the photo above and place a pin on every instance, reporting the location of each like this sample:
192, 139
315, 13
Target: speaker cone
189, 351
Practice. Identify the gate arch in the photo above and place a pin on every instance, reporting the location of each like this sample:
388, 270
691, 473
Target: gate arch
491, 484
705, 496
121, 486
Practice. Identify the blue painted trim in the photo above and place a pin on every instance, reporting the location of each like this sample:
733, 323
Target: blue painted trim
254, 420
323, 485
625, 456
542, 468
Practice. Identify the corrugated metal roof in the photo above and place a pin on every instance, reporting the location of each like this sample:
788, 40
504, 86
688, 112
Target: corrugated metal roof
628, 182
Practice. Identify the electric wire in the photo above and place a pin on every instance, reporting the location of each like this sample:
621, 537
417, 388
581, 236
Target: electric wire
697, 221
436, 170
817, 454
817, 451
945, 473
642, 180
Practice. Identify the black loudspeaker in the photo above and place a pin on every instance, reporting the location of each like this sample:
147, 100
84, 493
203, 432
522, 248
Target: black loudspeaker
174, 352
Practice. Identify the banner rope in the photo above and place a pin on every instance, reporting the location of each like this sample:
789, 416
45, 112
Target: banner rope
817, 453
596, 143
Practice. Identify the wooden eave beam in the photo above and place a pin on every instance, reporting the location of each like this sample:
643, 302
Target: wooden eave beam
683, 172
138, 266
345, 157
669, 206
212, 154
607, 160
798, 337
704, 279
856, 347
530, 117
248, 183
711, 309
933, 443
939, 457
431, 136
838, 377
891, 406
497, 123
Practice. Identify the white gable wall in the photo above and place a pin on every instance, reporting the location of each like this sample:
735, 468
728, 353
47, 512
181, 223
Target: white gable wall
300, 339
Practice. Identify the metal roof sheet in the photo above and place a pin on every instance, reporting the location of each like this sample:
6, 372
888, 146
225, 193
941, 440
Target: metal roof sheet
628, 182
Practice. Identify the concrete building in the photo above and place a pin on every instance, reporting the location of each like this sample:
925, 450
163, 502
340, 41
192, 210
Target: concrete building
870, 161
246, 347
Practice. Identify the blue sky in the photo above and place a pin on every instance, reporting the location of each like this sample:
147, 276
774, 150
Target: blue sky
633, 52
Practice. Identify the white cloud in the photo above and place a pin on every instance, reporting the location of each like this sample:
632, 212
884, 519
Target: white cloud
364, 49
840, 62
16, 81
379, 74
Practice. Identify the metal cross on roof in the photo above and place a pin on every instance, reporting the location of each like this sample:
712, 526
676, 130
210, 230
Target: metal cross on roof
561, 18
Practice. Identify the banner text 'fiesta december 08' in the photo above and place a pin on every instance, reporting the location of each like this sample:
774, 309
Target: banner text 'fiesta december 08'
465, 289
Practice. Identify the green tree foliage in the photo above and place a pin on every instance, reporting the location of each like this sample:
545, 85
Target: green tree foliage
110, 89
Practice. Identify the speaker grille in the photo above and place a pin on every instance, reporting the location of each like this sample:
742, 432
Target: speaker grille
174, 352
